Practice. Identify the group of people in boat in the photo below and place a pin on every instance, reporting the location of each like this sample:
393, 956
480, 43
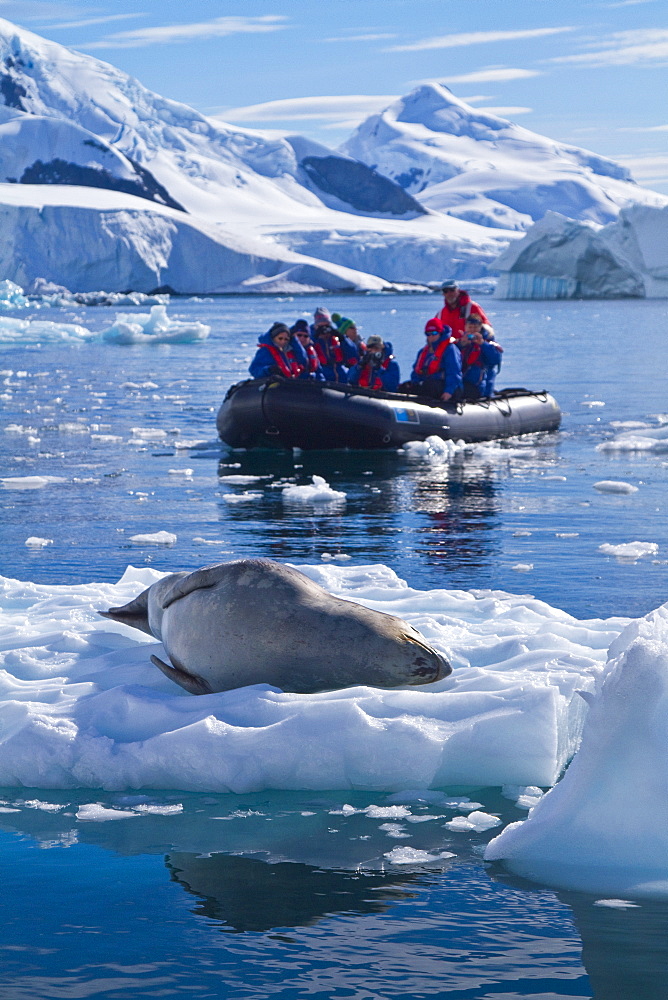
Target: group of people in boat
459, 361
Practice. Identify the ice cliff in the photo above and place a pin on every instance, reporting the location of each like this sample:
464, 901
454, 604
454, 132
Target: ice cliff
563, 258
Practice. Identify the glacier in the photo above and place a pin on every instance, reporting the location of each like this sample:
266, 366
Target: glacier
106, 185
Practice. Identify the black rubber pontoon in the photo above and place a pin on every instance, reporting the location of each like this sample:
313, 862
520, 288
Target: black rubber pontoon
292, 413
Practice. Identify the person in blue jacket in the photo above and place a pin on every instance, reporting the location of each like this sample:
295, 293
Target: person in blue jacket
377, 368
276, 355
437, 372
301, 342
352, 345
481, 359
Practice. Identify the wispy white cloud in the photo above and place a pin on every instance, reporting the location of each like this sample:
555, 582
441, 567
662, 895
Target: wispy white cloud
645, 128
475, 38
219, 27
506, 112
381, 37
640, 46
499, 74
339, 109
625, 3
85, 22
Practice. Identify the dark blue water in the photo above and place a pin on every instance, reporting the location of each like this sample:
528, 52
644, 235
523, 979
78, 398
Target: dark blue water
274, 902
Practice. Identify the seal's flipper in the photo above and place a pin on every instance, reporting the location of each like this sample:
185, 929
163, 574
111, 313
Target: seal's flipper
135, 613
200, 579
191, 682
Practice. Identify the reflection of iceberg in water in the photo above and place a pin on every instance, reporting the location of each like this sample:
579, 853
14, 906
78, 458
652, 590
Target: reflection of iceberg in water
247, 894
625, 951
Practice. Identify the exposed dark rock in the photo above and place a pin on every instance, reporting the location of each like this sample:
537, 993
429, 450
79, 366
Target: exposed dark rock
360, 186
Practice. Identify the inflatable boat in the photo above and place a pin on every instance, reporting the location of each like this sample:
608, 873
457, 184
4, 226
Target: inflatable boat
291, 413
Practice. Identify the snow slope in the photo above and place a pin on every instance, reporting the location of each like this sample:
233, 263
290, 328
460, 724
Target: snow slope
484, 169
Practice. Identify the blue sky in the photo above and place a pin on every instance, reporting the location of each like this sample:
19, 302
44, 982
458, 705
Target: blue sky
593, 73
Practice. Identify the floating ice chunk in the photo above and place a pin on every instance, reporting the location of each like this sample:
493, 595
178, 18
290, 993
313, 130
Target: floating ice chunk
616, 904
567, 534
11, 296
434, 449
38, 543
95, 812
149, 433
234, 480
477, 822
641, 439
241, 497
522, 567
207, 541
412, 856
629, 551
614, 486
341, 557
182, 444
158, 810
592, 402
387, 812
555, 479
153, 328
522, 534
320, 492
33, 331
524, 796
30, 482
156, 538
181, 472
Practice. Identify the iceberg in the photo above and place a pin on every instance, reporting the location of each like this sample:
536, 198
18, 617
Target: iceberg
562, 258
604, 827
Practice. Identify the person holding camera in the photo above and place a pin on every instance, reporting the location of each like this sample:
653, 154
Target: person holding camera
376, 368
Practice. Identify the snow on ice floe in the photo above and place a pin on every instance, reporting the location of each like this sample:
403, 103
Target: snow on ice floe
155, 538
30, 482
38, 543
615, 486
81, 705
629, 551
645, 438
604, 827
39, 331
319, 492
155, 327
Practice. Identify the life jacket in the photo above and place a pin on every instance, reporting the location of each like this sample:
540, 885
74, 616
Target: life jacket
286, 363
369, 377
313, 363
428, 362
471, 356
329, 352
456, 316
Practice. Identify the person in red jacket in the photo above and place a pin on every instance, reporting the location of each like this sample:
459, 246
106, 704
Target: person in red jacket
457, 307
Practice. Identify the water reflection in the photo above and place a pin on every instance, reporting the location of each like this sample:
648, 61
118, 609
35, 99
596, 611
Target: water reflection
248, 894
397, 510
624, 947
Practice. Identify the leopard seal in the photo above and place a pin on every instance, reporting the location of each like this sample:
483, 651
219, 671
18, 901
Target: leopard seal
255, 621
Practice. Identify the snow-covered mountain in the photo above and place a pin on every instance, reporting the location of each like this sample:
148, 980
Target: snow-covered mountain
104, 183
484, 169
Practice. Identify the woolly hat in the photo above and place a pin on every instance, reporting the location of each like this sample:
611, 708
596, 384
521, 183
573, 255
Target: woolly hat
321, 317
374, 341
344, 324
336, 317
434, 326
448, 285
277, 328
301, 326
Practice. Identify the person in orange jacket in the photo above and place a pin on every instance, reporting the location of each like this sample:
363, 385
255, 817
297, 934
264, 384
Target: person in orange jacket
457, 307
